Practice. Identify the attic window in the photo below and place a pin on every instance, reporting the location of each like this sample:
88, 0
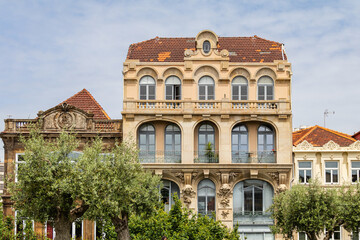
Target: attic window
206, 47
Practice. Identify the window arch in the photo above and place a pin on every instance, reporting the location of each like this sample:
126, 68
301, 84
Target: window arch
206, 88
147, 88
251, 199
206, 197
172, 144
167, 193
266, 144
147, 143
172, 88
206, 143
239, 144
265, 88
239, 88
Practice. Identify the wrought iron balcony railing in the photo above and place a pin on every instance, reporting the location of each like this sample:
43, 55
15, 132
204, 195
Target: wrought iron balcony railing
254, 157
206, 156
160, 156
252, 217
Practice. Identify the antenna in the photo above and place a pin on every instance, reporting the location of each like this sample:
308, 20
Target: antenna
326, 114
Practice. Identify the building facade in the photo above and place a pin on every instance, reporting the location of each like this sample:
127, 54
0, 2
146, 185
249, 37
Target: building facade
212, 116
331, 157
87, 118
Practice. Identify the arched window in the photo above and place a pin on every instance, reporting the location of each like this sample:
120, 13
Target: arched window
173, 88
251, 200
239, 88
167, 193
206, 88
206, 197
206, 47
239, 144
206, 144
147, 88
266, 144
172, 144
147, 143
265, 88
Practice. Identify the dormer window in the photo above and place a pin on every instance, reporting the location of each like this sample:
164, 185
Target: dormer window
206, 47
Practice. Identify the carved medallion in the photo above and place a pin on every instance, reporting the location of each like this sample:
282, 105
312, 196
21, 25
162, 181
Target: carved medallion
188, 193
225, 214
65, 120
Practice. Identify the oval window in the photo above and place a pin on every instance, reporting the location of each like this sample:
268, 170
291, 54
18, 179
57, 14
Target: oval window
206, 46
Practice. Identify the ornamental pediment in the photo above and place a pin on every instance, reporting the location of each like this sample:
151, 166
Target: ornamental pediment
331, 145
355, 146
304, 145
64, 116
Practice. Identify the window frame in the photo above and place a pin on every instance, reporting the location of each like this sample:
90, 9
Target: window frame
206, 85
206, 44
173, 96
207, 196
332, 169
239, 85
239, 135
170, 190
305, 169
176, 154
266, 86
357, 169
335, 231
147, 88
147, 144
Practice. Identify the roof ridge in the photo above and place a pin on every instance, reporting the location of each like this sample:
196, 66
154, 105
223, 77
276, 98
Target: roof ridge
267, 40
338, 133
91, 96
305, 135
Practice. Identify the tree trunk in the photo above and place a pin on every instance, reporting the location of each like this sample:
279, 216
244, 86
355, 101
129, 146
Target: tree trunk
62, 228
121, 227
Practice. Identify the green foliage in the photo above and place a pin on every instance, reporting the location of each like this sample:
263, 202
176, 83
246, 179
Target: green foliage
306, 208
350, 208
180, 223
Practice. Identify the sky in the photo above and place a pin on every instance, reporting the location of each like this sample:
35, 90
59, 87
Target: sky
50, 50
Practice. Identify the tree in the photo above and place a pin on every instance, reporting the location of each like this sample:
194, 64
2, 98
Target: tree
51, 183
179, 223
307, 208
350, 209
122, 188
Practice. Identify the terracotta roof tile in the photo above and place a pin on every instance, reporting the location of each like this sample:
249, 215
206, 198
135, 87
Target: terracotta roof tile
241, 49
85, 101
318, 136
356, 136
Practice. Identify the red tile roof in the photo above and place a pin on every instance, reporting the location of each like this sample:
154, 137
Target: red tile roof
241, 49
356, 135
318, 136
85, 101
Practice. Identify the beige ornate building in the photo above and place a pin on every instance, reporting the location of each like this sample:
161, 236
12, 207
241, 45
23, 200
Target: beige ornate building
87, 118
212, 115
329, 156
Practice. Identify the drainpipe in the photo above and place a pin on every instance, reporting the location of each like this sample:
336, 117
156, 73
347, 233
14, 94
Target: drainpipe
283, 51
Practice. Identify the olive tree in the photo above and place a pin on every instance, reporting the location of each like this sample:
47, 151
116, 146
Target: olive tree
122, 188
307, 208
350, 209
51, 183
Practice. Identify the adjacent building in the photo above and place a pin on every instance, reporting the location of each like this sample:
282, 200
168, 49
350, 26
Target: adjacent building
212, 116
87, 118
331, 157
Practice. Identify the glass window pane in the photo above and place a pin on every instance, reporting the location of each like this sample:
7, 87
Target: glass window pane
168, 139
142, 92
235, 92
235, 139
202, 139
301, 176
355, 164
354, 175
248, 200
331, 164
304, 164
308, 175
168, 91
243, 92
151, 93
269, 139
151, 139
177, 139
211, 204
211, 139
328, 176
210, 92
261, 93
302, 236
258, 199
335, 176
269, 93
261, 139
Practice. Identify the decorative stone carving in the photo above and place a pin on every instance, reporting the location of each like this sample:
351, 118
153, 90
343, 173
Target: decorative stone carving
65, 120
331, 145
180, 175
274, 176
188, 53
233, 175
305, 157
224, 191
225, 214
224, 53
281, 188
225, 202
355, 145
188, 193
305, 145
358, 157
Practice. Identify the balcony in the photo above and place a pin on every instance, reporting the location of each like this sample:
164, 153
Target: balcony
252, 217
206, 156
254, 157
95, 125
159, 156
224, 106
